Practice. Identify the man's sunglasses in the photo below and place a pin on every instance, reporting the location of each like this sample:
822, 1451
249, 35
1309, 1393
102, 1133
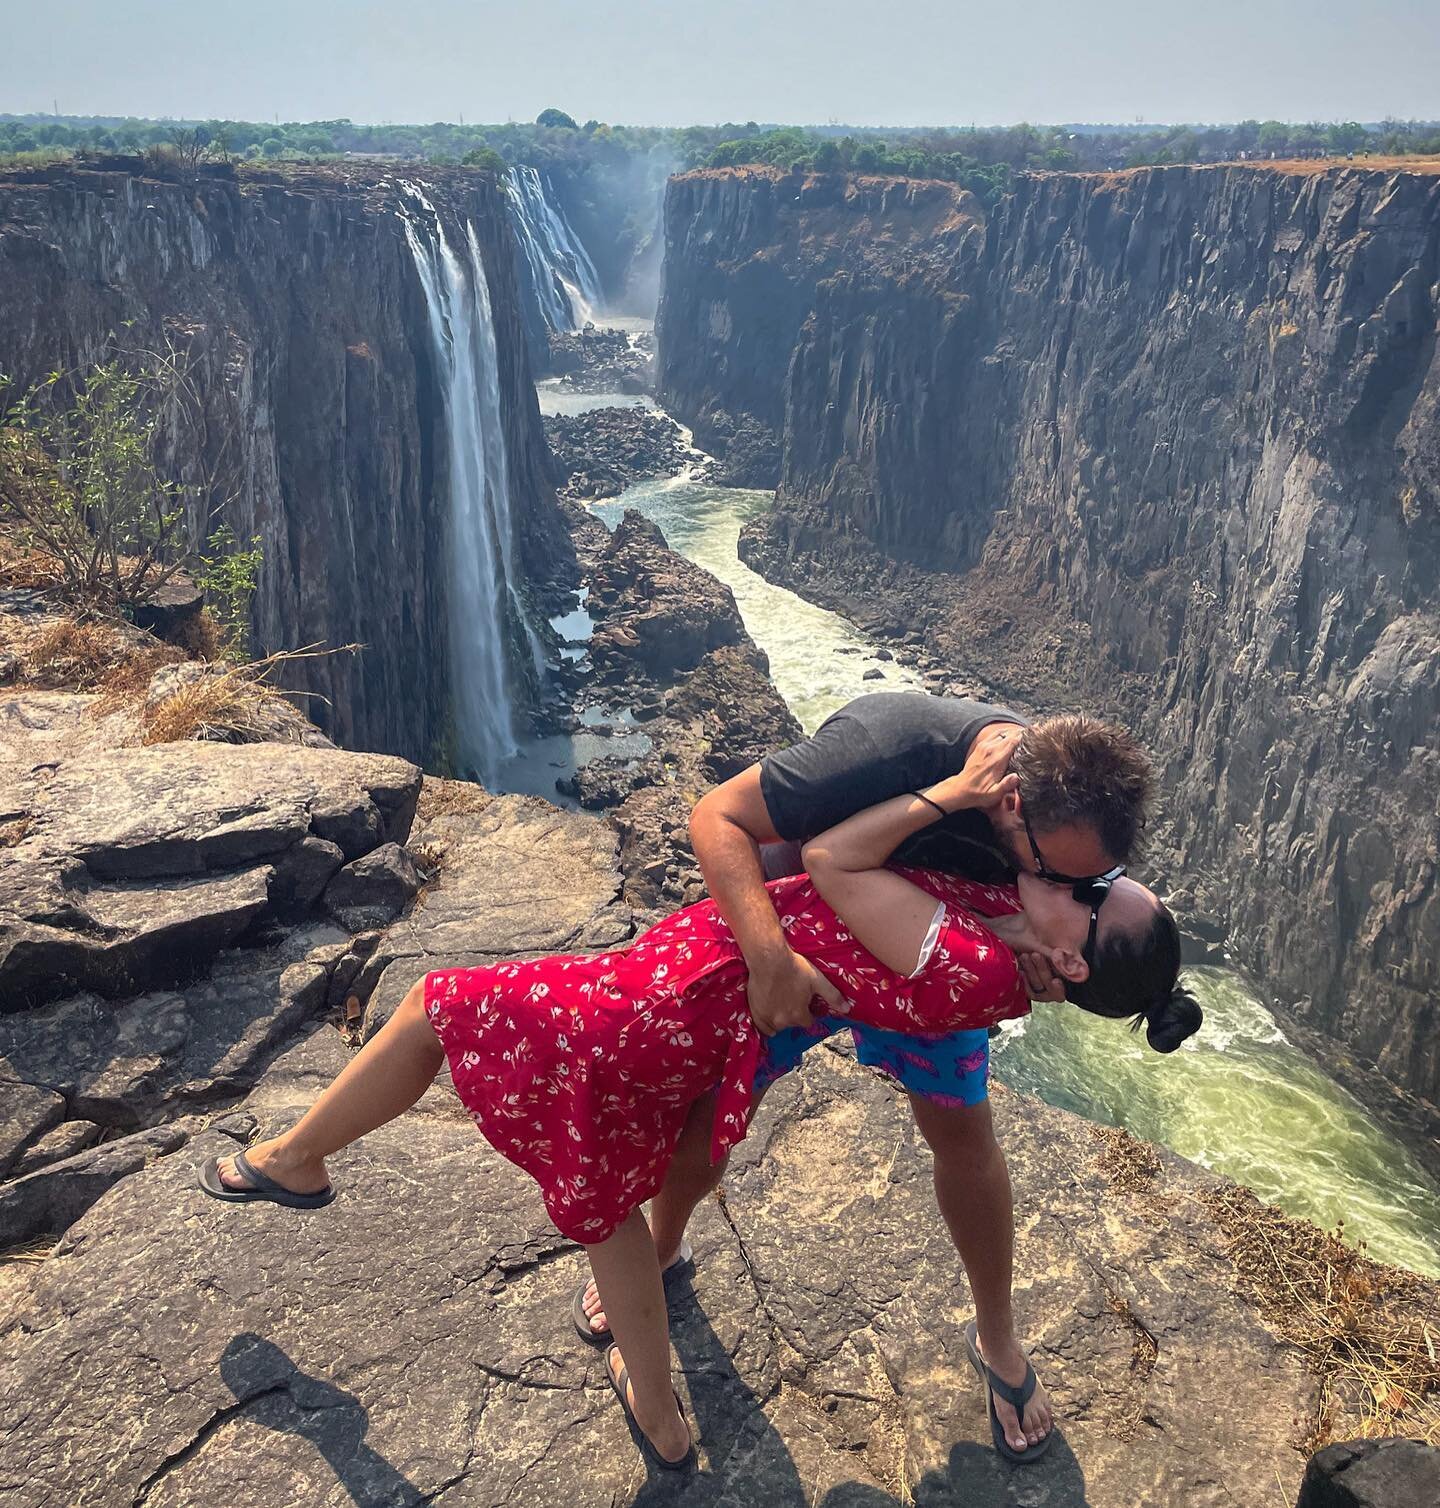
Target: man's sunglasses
1044, 872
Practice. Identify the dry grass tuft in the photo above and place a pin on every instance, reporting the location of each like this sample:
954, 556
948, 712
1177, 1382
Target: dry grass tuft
1371, 1332
1128, 1164
25, 568
14, 831
75, 654
219, 705
447, 798
199, 637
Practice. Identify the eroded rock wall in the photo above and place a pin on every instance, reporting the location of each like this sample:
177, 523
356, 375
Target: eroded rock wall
318, 410
1163, 443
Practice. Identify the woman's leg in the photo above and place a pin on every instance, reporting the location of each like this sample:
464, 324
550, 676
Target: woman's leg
627, 1272
394, 1068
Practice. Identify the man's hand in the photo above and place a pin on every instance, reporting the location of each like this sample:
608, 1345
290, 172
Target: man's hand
985, 780
1041, 981
780, 996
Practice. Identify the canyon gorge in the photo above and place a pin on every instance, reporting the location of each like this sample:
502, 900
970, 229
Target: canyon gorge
1160, 444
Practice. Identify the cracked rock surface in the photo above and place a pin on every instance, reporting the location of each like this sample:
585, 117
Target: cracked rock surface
411, 1343
134, 867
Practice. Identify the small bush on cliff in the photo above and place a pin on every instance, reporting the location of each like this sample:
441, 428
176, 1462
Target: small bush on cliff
227, 576
78, 481
82, 486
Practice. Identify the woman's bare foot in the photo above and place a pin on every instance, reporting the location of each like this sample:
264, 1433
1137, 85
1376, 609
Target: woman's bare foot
1008, 1362
595, 1311
669, 1434
274, 1160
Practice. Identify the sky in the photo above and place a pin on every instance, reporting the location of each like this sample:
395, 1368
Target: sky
676, 62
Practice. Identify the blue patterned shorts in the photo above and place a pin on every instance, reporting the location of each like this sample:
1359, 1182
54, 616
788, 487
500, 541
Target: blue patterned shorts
951, 1070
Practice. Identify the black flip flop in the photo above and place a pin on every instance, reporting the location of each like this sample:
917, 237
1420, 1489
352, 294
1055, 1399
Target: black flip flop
620, 1386
265, 1190
1016, 1397
681, 1268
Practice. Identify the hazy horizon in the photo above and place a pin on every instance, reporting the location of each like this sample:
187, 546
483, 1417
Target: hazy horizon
911, 64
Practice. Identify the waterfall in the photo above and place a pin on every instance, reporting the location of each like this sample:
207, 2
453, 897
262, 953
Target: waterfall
566, 284
492, 642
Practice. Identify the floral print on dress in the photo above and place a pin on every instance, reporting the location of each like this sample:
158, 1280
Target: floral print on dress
581, 1069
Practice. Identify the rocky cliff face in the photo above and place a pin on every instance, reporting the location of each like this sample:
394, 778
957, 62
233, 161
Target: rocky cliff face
1162, 443
297, 300
745, 249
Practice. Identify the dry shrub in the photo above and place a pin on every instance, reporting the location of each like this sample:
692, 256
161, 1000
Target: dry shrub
199, 636
124, 688
1371, 1332
25, 568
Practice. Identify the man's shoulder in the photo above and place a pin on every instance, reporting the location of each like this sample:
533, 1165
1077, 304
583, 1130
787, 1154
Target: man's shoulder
893, 717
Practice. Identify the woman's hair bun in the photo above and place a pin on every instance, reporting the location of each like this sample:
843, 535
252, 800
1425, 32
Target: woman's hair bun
1170, 1021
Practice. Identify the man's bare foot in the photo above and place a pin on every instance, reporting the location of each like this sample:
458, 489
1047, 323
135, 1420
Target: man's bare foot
669, 1434
1008, 1362
592, 1306
299, 1175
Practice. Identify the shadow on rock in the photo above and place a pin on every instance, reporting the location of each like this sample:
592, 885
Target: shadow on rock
275, 1393
748, 1463
975, 1477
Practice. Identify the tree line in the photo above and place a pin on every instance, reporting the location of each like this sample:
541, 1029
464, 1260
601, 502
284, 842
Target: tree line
981, 159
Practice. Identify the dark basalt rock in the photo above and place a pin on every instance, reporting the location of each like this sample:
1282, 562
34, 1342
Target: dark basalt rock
1372, 1474
412, 1340
605, 450
373, 890
137, 866
598, 359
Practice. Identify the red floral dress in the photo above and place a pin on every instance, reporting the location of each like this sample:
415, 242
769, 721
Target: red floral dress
581, 1068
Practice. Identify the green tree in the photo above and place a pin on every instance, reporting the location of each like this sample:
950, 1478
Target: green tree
485, 158
553, 117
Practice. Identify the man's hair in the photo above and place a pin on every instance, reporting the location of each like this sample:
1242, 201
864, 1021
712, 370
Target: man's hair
1137, 974
1078, 769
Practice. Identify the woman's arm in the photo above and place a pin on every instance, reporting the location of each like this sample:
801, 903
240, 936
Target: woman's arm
887, 914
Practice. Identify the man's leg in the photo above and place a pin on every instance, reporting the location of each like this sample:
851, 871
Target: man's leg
972, 1188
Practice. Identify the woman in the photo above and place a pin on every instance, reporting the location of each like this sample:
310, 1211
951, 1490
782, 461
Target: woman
581, 1070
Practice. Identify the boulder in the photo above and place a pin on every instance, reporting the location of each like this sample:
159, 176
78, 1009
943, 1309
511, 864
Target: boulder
372, 891
1372, 1474
171, 608
135, 866
661, 610
51, 1200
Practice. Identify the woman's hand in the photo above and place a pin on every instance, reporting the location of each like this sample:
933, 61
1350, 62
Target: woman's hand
986, 780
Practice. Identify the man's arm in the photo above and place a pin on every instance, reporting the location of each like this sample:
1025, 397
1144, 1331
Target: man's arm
727, 828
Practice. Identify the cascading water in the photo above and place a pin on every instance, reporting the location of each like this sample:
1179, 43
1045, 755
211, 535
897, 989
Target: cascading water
566, 284
493, 646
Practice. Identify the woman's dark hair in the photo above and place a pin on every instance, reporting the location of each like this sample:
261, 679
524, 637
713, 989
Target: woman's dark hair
1137, 974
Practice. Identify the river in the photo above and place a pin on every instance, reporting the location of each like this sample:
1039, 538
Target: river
1238, 1098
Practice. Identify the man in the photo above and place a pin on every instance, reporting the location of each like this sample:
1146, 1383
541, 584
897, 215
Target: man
1077, 812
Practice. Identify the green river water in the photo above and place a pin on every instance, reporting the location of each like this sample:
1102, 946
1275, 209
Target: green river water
1238, 1098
